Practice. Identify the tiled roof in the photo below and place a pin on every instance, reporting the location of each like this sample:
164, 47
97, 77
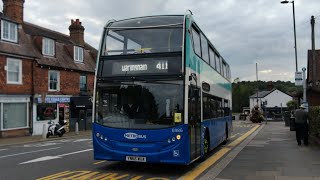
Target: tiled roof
260, 94
64, 46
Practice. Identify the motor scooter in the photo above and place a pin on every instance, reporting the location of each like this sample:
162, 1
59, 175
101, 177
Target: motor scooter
56, 129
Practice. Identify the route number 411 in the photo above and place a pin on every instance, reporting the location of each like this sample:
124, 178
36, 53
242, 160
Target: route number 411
162, 65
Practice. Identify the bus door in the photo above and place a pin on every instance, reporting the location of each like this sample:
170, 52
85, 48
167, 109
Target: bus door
194, 117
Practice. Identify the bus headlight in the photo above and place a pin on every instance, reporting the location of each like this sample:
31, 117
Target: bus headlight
98, 134
178, 137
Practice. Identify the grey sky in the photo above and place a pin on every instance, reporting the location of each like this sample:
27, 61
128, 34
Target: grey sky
244, 32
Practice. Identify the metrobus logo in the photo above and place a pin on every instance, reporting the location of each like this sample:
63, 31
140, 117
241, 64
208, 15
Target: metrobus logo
134, 136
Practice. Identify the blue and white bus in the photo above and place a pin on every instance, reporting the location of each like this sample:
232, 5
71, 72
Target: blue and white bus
162, 92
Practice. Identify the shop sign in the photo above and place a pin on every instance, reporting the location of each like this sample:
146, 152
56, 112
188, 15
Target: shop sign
55, 100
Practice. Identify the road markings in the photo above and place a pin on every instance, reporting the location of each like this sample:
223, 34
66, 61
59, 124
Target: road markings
214, 158
81, 140
29, 152
3, 149
99, 162
55, 176
234, 135
41, 144
94, 175
46, 158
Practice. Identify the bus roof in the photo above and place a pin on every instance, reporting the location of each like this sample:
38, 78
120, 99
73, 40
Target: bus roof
147, 21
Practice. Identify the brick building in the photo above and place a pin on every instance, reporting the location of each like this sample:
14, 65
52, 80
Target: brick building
313, 79
44, 75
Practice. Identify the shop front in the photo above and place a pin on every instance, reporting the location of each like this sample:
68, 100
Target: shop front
51, 108
81, 112
14, 115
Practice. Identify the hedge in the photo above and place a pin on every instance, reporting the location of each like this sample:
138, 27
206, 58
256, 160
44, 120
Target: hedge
314, 114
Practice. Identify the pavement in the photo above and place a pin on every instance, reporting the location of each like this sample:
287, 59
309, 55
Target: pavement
39, 138
273, 154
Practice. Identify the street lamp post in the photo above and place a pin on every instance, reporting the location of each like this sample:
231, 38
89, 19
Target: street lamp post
294, 28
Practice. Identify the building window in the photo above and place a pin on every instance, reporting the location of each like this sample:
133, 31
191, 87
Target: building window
48, 47
46, 111
14, 71
54, 81
12, 119
9, 31
83, 83
78, 54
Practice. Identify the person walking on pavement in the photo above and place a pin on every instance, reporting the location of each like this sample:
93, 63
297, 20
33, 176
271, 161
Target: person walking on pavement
301, 121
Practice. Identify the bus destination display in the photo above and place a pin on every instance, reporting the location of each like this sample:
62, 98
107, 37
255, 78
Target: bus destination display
168, 65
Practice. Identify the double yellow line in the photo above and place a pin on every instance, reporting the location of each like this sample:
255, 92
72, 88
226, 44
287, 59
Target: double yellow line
213, 159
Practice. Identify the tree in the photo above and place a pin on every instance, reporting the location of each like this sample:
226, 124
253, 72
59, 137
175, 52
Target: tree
292, 104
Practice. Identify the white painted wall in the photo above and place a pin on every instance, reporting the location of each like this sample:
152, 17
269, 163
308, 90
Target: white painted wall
275, 98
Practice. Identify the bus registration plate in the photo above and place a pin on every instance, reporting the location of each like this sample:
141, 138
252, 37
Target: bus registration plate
136, 158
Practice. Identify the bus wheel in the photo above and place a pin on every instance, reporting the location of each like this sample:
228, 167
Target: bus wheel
206, 146
227, 136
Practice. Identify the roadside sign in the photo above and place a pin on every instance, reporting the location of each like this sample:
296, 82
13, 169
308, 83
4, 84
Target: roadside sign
298, 78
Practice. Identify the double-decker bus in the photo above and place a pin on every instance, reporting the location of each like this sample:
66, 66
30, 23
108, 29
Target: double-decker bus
162, 92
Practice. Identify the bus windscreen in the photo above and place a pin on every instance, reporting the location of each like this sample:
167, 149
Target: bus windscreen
139, 104
143, 36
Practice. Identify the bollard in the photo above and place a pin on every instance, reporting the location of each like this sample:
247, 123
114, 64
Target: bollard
77, 128
44, 131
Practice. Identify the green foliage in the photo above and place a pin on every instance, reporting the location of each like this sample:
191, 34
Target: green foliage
292, 105
242, 90
314, 120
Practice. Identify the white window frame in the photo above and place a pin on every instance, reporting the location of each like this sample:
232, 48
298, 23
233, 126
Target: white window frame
47, 46
58, 80
10, 24
20, 71
78, 54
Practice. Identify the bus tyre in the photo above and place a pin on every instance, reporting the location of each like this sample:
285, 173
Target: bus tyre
206, 146
226, 136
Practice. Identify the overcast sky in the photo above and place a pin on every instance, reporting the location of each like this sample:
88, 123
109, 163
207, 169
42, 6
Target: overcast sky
244, 32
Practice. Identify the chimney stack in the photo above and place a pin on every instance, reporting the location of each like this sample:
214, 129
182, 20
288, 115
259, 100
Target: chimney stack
13, 9
77, 32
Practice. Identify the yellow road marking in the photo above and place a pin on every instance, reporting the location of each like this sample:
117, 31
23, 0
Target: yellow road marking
55, 176
203, 166
77, 174
99, 162
87, 176
241, 138
136, 178
206, 164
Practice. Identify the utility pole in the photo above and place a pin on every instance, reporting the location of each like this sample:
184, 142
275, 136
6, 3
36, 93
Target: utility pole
314, 64
257, 83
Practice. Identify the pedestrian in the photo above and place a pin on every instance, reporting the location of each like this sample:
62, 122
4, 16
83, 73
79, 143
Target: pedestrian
301, 125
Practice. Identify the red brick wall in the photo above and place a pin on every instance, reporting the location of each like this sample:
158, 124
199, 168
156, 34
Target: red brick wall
25, 87
90, 82
14, 133
69, 82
